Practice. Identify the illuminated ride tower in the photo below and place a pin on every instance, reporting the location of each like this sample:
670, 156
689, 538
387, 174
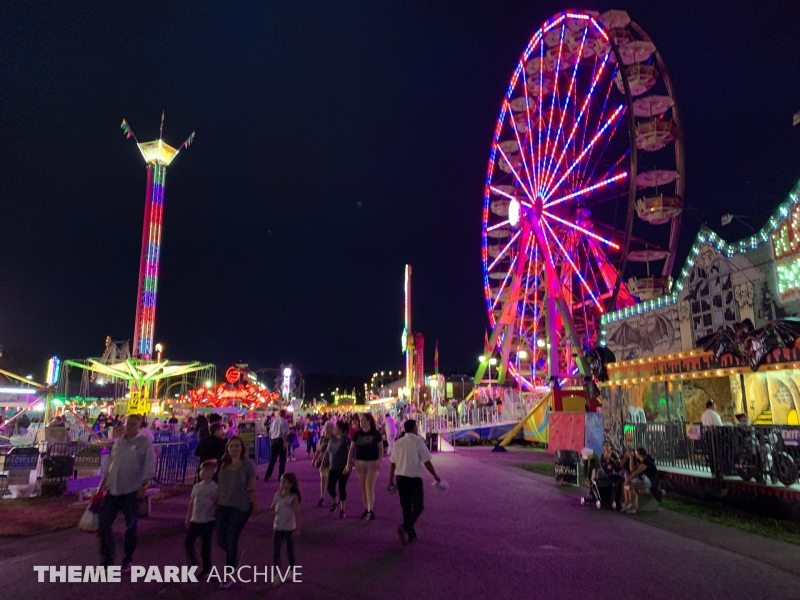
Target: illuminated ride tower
158, 155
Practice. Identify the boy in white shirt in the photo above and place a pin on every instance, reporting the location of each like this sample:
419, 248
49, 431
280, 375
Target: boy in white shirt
200, 516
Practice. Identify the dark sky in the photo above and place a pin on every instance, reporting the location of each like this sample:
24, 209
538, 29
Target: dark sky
336, 141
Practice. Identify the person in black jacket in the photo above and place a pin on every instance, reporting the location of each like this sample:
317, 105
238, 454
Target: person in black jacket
211, 447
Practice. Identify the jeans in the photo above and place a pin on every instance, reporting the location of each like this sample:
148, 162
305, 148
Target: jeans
277, 449
204, 532
277, 541
337, 476
229, 524
108, 514
411, 495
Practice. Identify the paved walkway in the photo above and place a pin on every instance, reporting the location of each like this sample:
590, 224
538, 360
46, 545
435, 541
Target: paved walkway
499, 532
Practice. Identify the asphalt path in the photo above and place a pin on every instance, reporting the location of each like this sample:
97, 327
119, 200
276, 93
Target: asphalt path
498, 532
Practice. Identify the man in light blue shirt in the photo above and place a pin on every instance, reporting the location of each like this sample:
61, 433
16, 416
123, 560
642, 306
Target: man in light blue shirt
278, 433
127, 475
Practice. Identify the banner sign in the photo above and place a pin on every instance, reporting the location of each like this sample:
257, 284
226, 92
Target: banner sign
19, 463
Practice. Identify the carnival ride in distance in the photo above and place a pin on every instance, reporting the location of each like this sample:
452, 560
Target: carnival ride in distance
241, 386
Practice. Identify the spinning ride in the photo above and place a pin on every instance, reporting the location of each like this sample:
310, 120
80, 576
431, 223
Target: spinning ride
588, 138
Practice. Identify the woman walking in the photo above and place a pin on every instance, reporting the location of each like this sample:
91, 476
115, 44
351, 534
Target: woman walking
322, 462
339, 466
236, 500
368, 450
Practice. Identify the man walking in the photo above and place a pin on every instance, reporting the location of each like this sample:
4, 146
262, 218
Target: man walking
127, 475
408, 457
278, 433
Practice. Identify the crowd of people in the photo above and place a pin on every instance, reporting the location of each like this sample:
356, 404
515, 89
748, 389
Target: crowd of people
225, 497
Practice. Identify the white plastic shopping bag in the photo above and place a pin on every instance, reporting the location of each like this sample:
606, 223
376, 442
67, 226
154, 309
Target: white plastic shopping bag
90, 521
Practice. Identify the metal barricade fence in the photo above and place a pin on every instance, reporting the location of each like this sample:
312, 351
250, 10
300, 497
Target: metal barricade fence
66, 449
173, 462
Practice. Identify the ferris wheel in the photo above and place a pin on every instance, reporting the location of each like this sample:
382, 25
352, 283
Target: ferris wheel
584, 190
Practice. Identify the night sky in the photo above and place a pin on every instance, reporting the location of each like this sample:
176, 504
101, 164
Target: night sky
336, 141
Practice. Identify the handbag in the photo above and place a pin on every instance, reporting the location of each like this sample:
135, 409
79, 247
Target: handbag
306, 435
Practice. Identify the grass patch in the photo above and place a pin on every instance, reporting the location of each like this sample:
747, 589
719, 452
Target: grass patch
542, 468
785, 531
23, 517
782, 530
35, 516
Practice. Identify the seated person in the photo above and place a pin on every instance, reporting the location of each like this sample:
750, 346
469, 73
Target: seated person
609, 459
643, 477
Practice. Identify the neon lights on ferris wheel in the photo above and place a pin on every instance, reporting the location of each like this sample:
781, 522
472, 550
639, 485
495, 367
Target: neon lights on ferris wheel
514, 171
615, 114
598, 74
505, 281
574, 268
581, 229
586, 190
519, 143
502, 253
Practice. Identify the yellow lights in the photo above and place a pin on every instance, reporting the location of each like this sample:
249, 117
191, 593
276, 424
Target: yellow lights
482, 359
523, 354
493, 361
157, 152
540, 343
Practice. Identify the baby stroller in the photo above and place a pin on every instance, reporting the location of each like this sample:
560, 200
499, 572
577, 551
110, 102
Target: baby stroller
601, 489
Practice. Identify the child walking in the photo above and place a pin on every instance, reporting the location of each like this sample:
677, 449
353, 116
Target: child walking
292, 442
200, 516
286, 505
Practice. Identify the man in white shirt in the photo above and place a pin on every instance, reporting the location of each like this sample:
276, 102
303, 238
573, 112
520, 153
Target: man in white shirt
278, 433
711, 419
408, 457
710, 416
127, 475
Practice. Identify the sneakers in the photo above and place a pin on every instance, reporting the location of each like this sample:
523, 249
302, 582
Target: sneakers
334, 506
341, 514
626, 507
632, 511
370, 516
365, 514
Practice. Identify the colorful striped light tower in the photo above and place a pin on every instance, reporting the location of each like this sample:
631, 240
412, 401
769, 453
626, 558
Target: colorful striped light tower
158, 155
